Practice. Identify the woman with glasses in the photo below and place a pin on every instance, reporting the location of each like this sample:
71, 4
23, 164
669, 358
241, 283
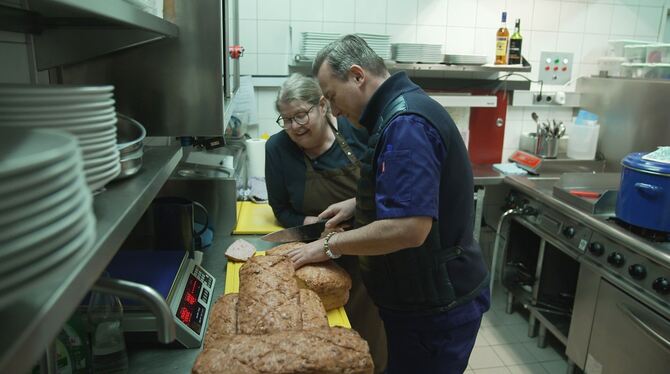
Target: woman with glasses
311, 164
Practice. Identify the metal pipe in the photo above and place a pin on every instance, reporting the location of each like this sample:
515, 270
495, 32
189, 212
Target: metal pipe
494, 260
166, 330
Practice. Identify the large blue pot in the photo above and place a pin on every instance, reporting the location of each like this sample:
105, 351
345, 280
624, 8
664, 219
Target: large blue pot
644, 193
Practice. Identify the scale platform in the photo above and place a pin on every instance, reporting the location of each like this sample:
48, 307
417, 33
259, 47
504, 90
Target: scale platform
186, 287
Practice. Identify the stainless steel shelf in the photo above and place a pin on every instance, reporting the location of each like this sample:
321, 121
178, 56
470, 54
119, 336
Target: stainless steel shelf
441, 77
68, 31
34, 321
488, 68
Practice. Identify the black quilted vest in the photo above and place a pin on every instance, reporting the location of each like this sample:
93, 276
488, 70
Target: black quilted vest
447, 270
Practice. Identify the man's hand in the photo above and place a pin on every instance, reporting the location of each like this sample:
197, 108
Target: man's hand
339, 212
308, 254
310, 219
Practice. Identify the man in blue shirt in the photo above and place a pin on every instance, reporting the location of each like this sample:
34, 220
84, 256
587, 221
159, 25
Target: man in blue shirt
413, 213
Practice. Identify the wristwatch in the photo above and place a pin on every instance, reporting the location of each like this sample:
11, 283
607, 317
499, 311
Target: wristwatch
326, 248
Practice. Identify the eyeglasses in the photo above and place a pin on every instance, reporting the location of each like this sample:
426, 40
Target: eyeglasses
300, 118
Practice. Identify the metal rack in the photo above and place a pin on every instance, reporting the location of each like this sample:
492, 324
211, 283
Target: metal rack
447, 77
67, 31
32, 323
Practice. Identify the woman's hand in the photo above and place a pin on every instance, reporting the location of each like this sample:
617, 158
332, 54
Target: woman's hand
339, 212
310, 219
308, 254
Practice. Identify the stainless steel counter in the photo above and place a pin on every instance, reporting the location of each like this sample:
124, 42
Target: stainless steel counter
148, 356
485, 175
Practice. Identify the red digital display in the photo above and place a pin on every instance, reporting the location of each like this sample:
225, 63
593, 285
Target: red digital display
185, 315
189, 298
190, 312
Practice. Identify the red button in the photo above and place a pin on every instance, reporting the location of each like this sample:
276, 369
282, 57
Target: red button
555, 68
546, 68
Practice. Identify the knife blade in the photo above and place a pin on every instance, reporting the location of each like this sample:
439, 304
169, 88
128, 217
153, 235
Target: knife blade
298, 233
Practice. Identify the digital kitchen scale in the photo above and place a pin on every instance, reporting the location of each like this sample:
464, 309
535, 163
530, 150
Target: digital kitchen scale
186, 287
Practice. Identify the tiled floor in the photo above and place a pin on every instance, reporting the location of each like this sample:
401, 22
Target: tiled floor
503, 345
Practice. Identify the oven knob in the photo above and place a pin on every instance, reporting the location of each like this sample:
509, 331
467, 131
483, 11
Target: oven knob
569, 232
616, 259
637, 271
596, 249
661, 285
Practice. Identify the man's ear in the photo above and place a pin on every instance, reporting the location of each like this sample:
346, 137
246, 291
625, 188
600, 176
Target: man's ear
358, 73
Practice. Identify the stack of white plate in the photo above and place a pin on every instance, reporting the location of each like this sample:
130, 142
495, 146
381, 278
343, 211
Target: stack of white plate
313, 42
379, 43
86, 112
416, 52
465, 59
46, 214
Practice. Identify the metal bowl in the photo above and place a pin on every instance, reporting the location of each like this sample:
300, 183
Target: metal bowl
130, 166
129, 135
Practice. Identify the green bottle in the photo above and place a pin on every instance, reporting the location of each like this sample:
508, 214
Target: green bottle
515, 45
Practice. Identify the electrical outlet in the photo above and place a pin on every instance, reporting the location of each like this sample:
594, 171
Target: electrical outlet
555, 67
544, 99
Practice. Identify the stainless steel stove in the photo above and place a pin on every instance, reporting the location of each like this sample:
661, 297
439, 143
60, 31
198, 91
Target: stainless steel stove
620, 320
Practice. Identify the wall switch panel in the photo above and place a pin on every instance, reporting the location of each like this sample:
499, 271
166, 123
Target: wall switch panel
555, 67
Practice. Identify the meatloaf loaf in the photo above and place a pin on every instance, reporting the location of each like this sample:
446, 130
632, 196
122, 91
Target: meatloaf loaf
327, 279
326, 350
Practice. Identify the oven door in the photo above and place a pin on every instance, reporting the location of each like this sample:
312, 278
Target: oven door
627, 336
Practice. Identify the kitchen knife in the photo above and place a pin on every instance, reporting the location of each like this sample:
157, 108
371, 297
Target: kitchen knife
298, 233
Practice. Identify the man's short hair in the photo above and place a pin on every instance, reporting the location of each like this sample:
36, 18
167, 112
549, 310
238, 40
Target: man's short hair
347, 51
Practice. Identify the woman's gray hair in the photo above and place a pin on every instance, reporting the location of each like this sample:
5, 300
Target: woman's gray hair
299, 88
347, 51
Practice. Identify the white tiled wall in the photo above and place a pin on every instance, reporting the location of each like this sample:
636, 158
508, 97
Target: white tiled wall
582, 27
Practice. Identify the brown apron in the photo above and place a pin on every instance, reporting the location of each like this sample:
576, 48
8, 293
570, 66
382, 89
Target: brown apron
326, 187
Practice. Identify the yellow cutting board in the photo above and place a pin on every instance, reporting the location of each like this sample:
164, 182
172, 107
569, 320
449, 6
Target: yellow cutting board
336, 317
255, 219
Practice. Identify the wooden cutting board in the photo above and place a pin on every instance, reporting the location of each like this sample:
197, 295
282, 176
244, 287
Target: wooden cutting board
255, 219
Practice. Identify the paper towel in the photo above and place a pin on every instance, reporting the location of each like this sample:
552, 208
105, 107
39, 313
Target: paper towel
256, 157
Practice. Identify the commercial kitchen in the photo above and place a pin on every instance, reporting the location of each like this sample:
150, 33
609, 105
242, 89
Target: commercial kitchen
132, 157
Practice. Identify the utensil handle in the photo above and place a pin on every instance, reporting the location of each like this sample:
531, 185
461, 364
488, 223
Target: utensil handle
649, 189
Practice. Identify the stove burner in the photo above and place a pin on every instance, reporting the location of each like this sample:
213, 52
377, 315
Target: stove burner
649, 234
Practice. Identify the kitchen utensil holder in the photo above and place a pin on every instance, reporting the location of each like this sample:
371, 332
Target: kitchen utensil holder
546, 146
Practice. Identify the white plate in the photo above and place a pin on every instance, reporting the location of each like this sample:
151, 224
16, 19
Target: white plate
26, 257
32, 224
34, 178
52, 89
22, 150
18, 284
42, 100
101, 165
99, 140
57, 108
58, 123
39, 191
93, 128
97, 182
6, 117
93, 151
47, 235
111, 130
38, 206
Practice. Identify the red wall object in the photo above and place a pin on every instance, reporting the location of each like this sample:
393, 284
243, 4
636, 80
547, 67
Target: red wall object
485, 143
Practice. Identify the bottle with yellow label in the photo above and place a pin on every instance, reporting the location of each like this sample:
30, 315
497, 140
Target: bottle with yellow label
502, 42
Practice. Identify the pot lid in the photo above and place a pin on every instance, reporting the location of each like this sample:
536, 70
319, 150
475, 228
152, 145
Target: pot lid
636, 161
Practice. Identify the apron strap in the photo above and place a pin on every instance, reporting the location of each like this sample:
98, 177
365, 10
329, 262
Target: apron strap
343, 145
